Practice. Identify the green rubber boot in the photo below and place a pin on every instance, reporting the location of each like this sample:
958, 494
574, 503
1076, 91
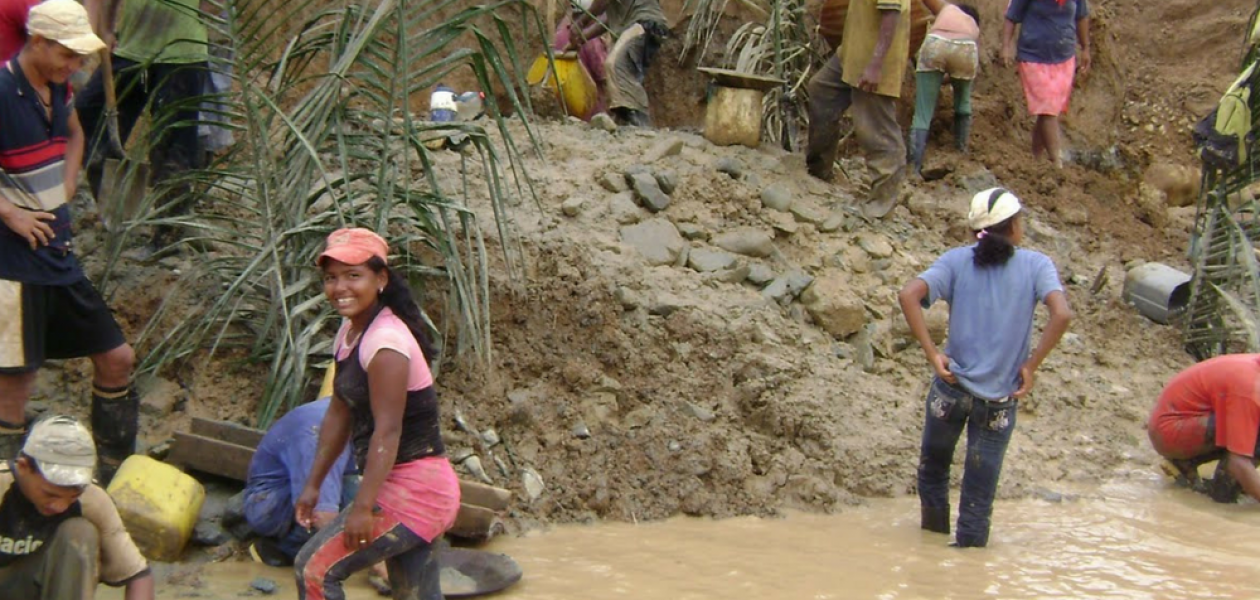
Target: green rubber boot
962, 131
917, 147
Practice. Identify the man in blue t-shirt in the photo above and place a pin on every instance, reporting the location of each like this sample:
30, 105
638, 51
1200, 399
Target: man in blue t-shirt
49, 308
277, 474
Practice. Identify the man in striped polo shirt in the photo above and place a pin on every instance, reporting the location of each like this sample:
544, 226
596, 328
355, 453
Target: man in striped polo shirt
48, 308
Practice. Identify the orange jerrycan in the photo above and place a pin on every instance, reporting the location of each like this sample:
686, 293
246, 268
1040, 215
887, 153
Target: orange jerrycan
570, 81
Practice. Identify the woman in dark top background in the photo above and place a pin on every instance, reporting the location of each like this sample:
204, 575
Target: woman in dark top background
1048, 59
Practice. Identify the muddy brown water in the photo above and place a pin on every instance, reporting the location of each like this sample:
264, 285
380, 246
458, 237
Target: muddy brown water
1138, 539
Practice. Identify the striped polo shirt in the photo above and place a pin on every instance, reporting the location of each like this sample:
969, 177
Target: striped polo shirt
33, 165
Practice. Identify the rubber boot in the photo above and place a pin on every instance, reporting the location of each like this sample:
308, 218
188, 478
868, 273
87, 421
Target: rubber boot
115, 423
935, 519
962, 131
917, 147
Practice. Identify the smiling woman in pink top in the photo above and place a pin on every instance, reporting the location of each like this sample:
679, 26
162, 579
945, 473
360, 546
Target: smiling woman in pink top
385, 404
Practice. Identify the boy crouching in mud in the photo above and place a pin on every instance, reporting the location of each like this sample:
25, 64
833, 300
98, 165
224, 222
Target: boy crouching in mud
992, 288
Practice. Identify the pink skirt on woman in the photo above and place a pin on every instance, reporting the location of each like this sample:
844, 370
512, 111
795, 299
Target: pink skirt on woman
422, 495
1047, 88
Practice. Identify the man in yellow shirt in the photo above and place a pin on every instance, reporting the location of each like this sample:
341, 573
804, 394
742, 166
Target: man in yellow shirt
866, 72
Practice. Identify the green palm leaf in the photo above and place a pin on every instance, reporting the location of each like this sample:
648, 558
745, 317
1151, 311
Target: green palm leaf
321, 108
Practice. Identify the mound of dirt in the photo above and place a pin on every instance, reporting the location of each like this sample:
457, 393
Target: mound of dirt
642, 379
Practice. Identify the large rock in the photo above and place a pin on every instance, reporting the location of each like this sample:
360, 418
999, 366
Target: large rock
807, 211
977, 181
760, 274
833, 223
605, 122
834, 306
730, 166
1151, 206
706, 260
737, 273
160, 397
648, 192
613, 182
623, 209
936, 318
693, 231
787, 286
573, 206
746, 241
777, 196
663, 149
781, 222
874, 244
656, 239
667, 179
1179, 183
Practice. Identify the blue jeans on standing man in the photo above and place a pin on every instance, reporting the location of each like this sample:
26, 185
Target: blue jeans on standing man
989, 425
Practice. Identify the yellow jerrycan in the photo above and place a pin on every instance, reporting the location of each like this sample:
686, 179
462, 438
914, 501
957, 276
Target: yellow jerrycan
570, 81
159, 505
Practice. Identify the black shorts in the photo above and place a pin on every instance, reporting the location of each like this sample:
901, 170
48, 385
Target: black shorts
40, 322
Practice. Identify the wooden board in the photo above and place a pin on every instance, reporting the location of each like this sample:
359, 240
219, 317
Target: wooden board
480, 494
736, 79
225, 449
227, 432
475, 522
210, 455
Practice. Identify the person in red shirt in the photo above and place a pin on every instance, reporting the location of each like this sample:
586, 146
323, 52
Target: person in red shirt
13, 26
1211, 411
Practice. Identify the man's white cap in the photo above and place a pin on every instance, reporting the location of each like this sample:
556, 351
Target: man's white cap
992, 206
63, 450
65, 22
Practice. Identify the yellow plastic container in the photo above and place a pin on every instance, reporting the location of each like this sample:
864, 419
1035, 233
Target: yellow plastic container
159, 505
570, 81
326, 388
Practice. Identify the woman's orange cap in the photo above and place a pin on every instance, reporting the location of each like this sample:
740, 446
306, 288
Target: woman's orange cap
354, 246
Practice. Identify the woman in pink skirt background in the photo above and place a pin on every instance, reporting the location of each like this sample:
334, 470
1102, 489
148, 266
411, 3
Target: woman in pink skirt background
1049, 31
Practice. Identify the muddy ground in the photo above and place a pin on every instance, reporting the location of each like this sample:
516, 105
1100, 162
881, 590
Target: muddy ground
639, 391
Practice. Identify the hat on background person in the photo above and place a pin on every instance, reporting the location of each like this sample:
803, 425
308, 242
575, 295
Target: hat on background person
992, 206
354, 246
65, 22
63, 451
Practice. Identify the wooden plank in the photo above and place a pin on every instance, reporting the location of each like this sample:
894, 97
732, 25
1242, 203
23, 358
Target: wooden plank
225, 449
475, 522
486, 496
225, 431
736, 79
210, 455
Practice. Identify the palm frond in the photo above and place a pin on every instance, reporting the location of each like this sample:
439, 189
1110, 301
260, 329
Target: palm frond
321, 108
